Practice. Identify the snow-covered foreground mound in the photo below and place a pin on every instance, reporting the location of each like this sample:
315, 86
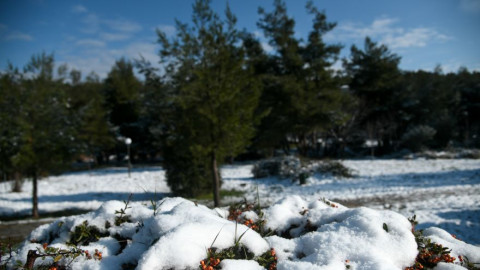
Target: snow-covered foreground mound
291, 234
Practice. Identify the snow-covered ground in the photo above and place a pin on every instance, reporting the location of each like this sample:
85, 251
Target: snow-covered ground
441, 193
85, 190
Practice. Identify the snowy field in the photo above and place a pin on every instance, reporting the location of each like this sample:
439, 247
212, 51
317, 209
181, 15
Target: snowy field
441, 193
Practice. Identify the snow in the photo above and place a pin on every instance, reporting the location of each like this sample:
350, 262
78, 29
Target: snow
86, 190
240, 265
319, 235
340, 234
441, 193
328, 223
458, 247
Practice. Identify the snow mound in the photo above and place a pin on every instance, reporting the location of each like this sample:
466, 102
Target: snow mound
178, 234
458, 247
325, 235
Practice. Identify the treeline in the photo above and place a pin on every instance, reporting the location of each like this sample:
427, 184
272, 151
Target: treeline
220, 96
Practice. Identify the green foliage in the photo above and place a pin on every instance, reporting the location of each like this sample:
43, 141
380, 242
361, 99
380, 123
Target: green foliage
84, 234
418, 137
237, 252
334, 168
301, 94
375, 80
45, 127
122, 91
87, 104
429, 253
213, 98
122, 216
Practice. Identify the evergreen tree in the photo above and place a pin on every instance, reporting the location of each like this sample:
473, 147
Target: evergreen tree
214, 98
45, 127
87, 104
301, 93
375, 79
10, 106
122, 97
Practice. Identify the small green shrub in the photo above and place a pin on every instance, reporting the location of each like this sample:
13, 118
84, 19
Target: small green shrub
284, 167
84, 234
334, 168
429, 253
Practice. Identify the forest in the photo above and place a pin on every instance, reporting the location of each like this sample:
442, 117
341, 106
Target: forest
220, 97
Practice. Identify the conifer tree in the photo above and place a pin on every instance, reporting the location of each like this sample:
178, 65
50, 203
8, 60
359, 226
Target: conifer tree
214, 97
375, 80
122, 98
44, 121
301, 93
87, 104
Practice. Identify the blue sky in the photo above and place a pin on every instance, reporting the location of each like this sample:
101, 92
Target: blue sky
90, 35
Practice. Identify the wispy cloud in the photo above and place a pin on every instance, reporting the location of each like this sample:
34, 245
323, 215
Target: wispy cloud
263, 41
3, 27
90, 43
18, 36
169, 30
91, 24
79, 9
418, 37
124, 26
102, 59
470, 6
385, 31
114, 36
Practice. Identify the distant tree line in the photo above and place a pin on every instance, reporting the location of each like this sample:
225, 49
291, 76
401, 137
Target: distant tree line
220, 96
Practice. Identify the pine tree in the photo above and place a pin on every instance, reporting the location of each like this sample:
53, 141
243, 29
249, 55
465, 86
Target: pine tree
375, 79
214, 97
46, 130
122, 99
87, 104
10, 104
301, 92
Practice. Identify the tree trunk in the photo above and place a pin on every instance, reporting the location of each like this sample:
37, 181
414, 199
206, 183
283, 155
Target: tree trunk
216, 180
35, 196
17, 185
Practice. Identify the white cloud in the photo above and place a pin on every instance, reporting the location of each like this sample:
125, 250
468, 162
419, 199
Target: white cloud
114, 36
472, 6
417, 37
19, 36
123, 25
79, 9
169, 30
90, 43
146, 50
91, 24
101, 60
385, 31
266, 47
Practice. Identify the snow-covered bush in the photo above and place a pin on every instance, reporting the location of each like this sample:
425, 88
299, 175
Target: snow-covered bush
315, 234
284, 167
294, 168
335, 168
